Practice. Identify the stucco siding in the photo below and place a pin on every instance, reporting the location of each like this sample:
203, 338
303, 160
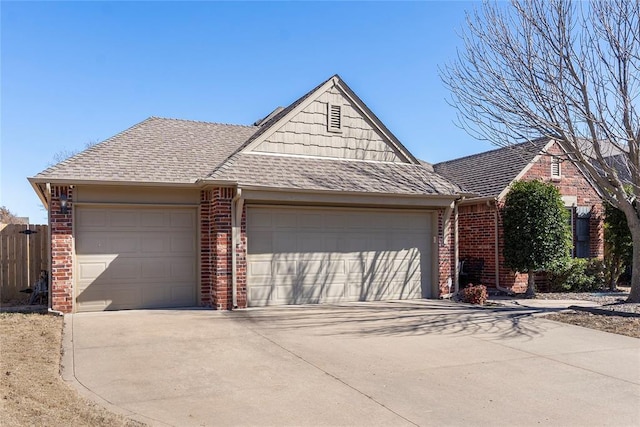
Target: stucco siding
307, 134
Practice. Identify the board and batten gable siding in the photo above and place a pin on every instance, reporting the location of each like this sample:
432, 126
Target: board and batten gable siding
306, 133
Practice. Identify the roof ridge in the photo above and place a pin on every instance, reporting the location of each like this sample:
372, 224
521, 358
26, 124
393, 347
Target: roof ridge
508, 147
200, 121
265, 126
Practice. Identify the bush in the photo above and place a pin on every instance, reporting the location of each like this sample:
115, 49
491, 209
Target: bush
577, 275
474, 294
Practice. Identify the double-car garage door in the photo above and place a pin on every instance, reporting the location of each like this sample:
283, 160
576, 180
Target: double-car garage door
310, 255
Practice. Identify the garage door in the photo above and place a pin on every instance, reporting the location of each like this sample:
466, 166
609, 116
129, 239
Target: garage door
301, 256
134, 258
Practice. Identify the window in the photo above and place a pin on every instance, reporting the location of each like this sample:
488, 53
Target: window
579, 221
334, 118
555, 167
582, 231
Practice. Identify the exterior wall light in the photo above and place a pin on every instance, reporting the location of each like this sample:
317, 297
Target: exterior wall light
64, 208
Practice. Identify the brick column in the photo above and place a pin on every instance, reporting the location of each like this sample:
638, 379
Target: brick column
221, 235
61, 250
445, 257
215, 274
206, 248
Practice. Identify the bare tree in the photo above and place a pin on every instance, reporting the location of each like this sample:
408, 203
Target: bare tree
8, 217
563, 70
66, 153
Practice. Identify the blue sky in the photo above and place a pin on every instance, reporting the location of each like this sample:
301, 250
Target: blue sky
76, 72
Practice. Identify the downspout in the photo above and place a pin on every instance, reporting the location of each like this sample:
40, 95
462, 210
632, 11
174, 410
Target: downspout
456, 251
497, 250
236, 222
49, 254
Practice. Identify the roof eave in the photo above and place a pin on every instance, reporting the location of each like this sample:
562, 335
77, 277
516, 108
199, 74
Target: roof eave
39, 191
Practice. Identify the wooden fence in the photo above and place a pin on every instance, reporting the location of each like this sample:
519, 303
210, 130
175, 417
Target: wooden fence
22, 257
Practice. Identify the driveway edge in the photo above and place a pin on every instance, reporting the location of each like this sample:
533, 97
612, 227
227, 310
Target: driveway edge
67, 372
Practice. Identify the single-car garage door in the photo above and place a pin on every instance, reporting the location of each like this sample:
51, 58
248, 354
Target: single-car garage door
135, 258
311, 255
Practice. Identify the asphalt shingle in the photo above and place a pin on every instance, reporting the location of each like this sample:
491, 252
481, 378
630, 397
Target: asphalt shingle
487, 174
333, 175
156, 150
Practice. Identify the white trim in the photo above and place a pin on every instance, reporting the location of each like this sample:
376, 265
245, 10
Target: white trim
309, 156
287, 196
526, 169
555, 162
331, 108
250, 205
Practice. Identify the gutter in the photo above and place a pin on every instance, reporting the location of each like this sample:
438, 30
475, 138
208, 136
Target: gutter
237, 204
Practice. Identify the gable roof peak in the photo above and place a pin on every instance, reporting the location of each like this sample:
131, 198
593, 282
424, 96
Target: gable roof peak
487, 174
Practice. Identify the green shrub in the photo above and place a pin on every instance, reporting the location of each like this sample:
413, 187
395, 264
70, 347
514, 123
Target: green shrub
474, 294
577, 275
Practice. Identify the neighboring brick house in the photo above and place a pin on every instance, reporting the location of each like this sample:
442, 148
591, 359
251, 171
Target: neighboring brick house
488, 177
318, 202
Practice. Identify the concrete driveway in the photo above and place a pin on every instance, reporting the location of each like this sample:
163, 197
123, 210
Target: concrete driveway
394, 363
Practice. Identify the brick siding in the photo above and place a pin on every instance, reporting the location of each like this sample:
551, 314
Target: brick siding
445, 257
215, 253
61, 226
476, 222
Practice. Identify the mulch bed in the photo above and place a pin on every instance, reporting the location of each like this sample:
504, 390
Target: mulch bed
629, 326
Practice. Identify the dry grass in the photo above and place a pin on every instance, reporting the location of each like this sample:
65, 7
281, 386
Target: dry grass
629, 326
32, 393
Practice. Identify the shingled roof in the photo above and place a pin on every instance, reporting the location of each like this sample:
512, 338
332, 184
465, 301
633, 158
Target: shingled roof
172, 151
156, 150
488, 174
330, 174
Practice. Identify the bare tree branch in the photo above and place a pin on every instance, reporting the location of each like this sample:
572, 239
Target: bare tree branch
563, 70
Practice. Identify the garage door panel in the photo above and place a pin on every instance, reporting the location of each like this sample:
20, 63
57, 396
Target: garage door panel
308, 269
285, 268
123, 269
262, 219
259, 268
89, 270
154, 269
284, 220
123, 244
298, 294
183, 269
182, 220
152, 244
331, 255
260, 242
153, 219
124, 219
182, 244
91, 218
134, 258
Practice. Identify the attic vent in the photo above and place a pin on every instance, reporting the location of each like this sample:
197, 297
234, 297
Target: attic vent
555, 167
334, 118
